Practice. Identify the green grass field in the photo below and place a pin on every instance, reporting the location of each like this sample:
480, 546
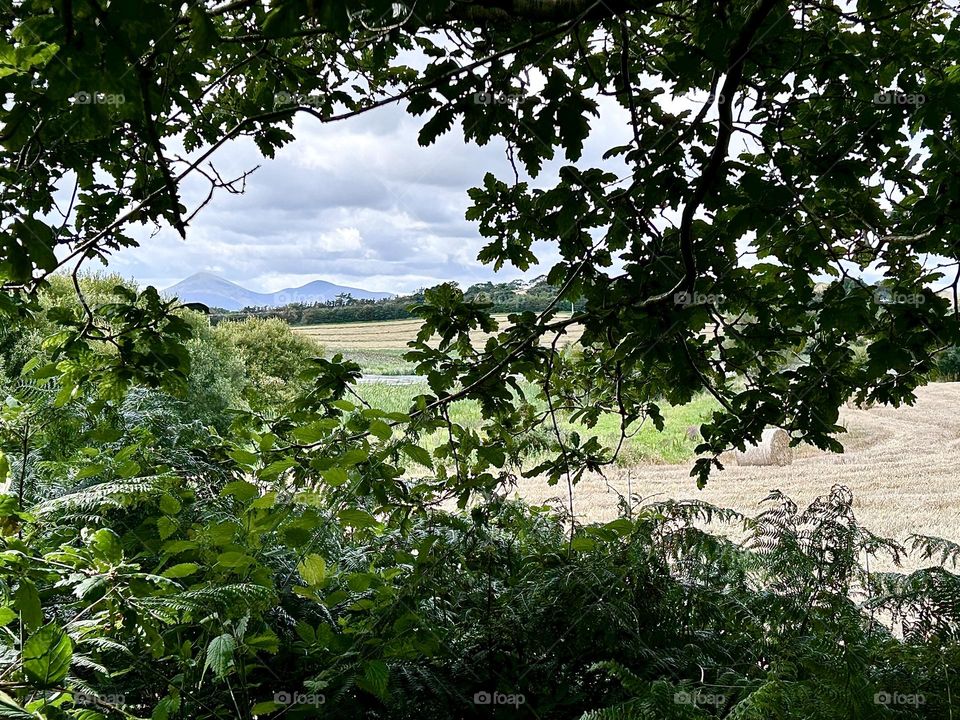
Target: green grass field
646, 445
378, 348
385, 361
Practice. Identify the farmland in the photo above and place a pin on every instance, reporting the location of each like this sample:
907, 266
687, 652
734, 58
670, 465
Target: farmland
881, 461
646, 444
380, 344
900, 464
379, 347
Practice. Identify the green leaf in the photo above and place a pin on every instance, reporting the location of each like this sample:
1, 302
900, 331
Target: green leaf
272, 471
9, 505
493, 455
241, 489
175, 547
313, 569
6, 616
220, 655
169, 505
180, 570
315, 431
37, 238
9, 710
358, 582
282, 19
243, 457
167, 708
27, 601
89, 471
355, 517
621, 526
127, 469
335, 477
267, 500
46, 656
380, 429
418, 454
166, 527
106, 544
375, 678
354, 456
33, 55
266, 707
203, 32
436, 126
583, 544
266, 641
234, 559
68, 390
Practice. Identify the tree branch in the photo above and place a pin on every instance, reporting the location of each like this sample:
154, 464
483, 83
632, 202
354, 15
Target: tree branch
713, 172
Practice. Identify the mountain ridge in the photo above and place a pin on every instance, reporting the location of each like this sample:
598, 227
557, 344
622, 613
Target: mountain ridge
217, 292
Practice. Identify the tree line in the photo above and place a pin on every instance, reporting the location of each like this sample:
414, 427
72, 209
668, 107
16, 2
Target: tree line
505, 297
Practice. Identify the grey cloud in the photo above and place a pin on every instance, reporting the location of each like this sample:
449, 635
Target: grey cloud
358, 203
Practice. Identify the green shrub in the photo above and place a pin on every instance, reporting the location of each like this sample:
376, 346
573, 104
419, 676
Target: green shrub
273, 357
948, 364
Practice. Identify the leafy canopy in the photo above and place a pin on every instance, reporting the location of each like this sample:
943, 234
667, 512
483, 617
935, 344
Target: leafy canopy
770, 151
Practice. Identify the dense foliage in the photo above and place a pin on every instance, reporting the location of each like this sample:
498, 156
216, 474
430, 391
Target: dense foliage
272, 357
208, 582
159, 564
333, 311
770, 226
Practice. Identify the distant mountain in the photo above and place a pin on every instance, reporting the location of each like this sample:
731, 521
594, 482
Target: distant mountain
213, 291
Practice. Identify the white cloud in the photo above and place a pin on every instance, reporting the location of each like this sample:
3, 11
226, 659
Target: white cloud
339, 240
357, 203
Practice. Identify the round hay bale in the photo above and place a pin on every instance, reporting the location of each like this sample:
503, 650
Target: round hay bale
773, 449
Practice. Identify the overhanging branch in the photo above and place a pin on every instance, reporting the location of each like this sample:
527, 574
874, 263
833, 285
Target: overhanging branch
541, 10
713, 173
486, 11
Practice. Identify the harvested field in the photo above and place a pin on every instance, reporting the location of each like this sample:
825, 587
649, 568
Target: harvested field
392, 334
900, 463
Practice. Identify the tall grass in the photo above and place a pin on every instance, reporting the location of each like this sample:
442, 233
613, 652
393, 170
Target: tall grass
384, 361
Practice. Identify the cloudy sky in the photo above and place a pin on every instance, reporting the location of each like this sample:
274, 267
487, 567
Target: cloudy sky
358, 203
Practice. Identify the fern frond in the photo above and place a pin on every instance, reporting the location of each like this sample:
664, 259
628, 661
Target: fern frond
930, 547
